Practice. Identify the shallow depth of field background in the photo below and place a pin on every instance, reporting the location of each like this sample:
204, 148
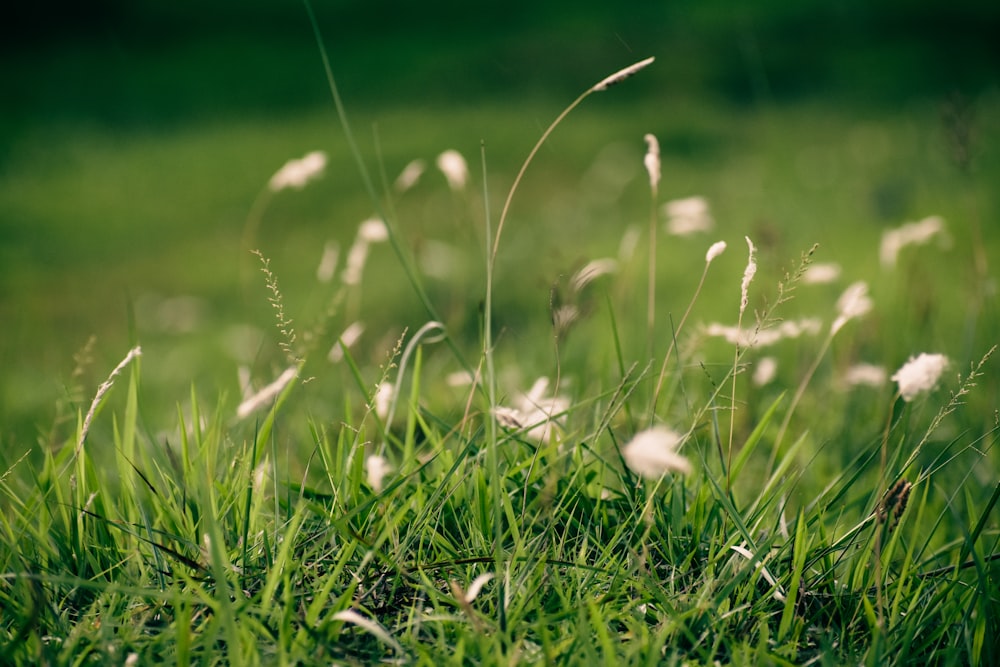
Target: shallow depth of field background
135, 137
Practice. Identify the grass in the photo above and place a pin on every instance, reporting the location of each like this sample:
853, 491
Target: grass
151, 524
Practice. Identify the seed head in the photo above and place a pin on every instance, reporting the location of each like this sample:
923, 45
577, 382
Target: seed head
919, 374
653, 453
622, 74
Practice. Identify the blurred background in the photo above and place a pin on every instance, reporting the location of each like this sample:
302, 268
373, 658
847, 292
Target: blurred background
136, 136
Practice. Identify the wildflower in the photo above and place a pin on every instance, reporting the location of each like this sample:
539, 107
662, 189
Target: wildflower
853, 303
868, 375
540, 416
919, 374
765, 371
652, 161
377, 467
453, 166
653, 453
328, 262
714, 251
688, 216
296, 173
350, 336
265, 395
410, 175
818, 274
748, 275
912, 233
621, 75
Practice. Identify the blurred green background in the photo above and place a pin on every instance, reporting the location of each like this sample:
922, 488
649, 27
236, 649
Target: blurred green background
135, 137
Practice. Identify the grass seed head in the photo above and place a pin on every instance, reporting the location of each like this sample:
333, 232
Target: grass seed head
455, 170
297, 173
621, 75
653, 453
652, 161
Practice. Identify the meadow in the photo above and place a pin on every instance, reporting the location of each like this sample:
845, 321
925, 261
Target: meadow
433, 385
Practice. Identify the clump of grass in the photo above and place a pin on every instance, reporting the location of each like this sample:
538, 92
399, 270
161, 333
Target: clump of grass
602, 520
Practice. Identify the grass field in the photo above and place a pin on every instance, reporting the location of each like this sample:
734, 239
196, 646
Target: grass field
517, 461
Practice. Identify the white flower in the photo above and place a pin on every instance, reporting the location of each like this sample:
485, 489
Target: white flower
296, 173
919, 374
373, 230
652, 161
853, 303
653, 453
377, 468
912, 233
453, 166
688, 216
540, 415
714, 251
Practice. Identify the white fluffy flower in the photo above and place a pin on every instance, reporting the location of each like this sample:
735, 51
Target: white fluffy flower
820, 274
919, 374
748, 275
653, 453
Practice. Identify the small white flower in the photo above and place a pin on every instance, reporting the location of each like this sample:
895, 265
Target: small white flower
455, 170
688, 216
296, 173
853, 303
919, 374
653, 453
714, 251
377, 468
912, 233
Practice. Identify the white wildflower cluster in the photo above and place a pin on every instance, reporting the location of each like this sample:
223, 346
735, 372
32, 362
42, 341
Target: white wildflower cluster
376, 469
297, 173
688, 216
865, 375
540, 416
